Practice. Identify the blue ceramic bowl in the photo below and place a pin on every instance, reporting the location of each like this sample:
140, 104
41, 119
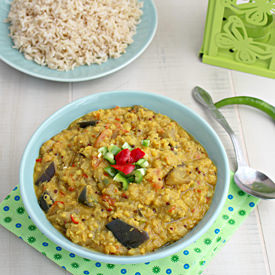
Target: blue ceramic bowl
143, 37
189, 120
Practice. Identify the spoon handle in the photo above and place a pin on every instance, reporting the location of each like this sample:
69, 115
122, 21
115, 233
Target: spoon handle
206, 101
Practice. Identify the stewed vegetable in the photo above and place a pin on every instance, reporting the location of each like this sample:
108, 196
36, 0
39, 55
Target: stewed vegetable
126, 234
45, 201
84, 124
47, 175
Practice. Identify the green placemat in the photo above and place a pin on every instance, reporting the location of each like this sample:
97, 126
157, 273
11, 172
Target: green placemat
190, 261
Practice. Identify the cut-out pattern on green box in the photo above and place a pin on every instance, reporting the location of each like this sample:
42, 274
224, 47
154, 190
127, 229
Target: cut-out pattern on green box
240, 35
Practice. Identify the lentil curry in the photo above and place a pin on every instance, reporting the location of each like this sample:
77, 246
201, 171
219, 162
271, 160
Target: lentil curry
77, 185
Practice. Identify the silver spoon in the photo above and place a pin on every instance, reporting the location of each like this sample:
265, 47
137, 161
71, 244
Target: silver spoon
249, 180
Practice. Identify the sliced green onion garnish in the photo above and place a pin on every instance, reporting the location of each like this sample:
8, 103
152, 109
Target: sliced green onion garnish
145, 142
110, 157
114, 149
142, 171
111, 171
122, 180
142, 163
126, 146
102, 151
138, 176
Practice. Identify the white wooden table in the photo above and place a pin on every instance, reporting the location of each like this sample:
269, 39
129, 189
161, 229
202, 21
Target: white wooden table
169, 67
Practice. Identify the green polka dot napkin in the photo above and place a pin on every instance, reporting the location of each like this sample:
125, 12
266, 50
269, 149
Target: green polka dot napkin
190, 261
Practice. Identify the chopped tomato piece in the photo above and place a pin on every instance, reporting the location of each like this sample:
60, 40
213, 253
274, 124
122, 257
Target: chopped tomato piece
73, 220
124, 168
123, 156
38, 160
136, 154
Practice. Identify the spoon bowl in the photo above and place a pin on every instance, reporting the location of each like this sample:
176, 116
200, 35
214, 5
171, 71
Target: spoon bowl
248, 179
255, 183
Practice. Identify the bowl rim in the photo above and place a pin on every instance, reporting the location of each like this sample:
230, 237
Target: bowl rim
39, 75
95, 255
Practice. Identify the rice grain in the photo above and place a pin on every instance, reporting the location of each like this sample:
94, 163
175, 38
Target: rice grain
64, 34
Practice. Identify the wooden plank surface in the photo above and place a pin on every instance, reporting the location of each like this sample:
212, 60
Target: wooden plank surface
169, 67
25, 102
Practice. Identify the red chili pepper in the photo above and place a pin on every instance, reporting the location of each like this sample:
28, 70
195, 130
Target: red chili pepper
73, 220
123, 157
38, 160
136, 154
172, 208
71, 189
73, 165
125, 168
109, 209
85, 175
56, 202
124, 195
117, 119
61, 193
108, 199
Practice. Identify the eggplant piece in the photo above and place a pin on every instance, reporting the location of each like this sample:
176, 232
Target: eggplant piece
126, 234
45, 201
177, 176
84, 124
82, 198
47, 175
82, 155
86, 198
